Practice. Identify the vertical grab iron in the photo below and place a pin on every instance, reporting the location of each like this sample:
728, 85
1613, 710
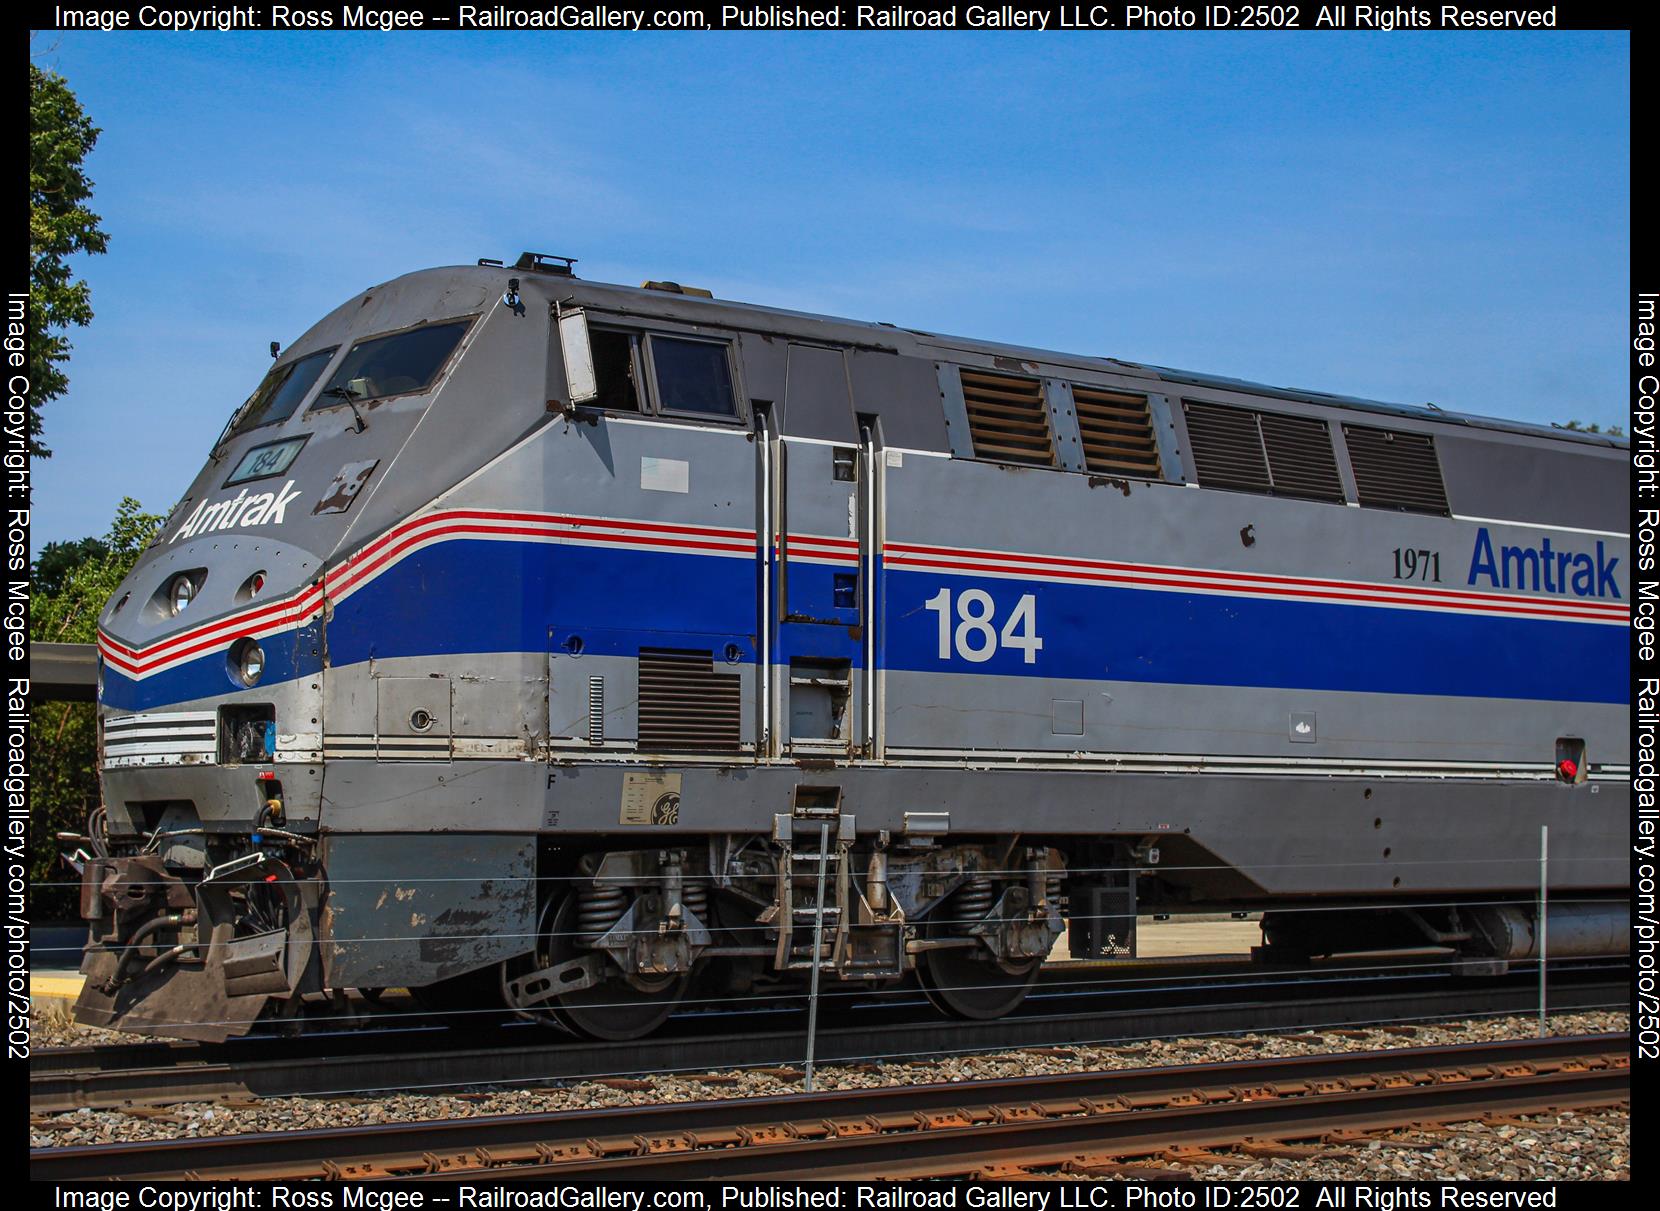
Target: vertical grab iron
869, 552
766, 546
818, 955
1544, 918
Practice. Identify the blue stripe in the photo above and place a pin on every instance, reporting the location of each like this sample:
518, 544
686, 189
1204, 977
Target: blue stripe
1092, 632
477, 596
288, 655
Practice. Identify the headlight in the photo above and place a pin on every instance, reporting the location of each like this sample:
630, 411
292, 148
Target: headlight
180, 593
247, 662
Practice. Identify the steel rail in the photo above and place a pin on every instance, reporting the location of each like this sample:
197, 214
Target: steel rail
162, 1073
1049, 1142
910, 1129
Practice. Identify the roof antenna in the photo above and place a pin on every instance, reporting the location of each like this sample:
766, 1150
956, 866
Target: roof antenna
276, 348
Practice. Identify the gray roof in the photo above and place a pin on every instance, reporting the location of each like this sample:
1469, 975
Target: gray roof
871, 333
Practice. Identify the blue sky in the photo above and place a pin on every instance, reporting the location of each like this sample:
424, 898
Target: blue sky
1409, 217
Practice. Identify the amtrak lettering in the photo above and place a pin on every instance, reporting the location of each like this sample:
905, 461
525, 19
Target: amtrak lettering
261, 509
1543, 568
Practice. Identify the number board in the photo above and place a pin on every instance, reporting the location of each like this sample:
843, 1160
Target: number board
262, 462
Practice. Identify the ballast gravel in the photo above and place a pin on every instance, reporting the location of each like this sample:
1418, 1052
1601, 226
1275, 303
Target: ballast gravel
1564, 1146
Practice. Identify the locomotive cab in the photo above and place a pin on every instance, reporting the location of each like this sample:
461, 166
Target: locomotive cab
206, 879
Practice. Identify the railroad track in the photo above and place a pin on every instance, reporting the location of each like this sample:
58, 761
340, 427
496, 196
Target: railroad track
149, 1074
987, 1128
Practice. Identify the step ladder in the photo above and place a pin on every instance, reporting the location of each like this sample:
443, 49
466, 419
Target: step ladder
815, 837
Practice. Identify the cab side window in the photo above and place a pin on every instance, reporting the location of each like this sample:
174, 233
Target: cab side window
692, 376
654, 373
616, 354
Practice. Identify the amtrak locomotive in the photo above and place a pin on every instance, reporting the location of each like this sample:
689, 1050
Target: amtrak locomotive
569, 650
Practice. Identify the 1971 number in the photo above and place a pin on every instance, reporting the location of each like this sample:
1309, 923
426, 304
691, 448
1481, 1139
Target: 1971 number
1417, 564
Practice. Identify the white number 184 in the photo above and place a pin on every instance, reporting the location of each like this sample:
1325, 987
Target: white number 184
974, 637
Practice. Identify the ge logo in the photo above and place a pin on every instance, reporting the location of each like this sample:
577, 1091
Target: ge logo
667, 809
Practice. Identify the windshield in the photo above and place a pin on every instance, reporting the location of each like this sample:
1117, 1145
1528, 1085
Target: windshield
282, 391
392, 365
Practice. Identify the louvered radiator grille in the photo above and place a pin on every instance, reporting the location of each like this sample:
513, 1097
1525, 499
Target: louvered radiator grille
1268, 452
1008, 418
1226, 447
1396, 470
1117, 432
685, 704
1300, 457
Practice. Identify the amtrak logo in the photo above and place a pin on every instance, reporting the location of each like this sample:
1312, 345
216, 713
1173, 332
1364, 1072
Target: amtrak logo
1544, 568
260, 509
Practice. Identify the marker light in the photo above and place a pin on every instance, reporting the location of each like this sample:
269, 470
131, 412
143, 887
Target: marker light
180, 593
248, 662
1567, 769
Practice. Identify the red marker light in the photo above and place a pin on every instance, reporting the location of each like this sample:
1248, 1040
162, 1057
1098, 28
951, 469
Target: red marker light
270, 878
1567, 769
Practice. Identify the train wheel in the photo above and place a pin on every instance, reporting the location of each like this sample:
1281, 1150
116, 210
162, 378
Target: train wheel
617, 1010
966, 987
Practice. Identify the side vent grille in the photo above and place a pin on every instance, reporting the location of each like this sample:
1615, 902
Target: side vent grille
1008, 418
1265, 452
1227, 449
1117, 432
1396, 470
1300, 458
685, 704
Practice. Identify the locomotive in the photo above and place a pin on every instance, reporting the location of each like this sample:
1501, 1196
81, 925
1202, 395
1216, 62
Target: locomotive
573, 651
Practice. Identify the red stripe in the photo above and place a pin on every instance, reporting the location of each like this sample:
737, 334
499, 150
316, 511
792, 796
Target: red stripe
364, 560
368, 559
818, 540
119, 663
822, 546
238, 623
1394, 599
230, 620
1251, 577
357, 569
571, 519
208, 643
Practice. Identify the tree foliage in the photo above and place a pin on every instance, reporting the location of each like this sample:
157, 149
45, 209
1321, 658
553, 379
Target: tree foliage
60, 225
63, 736
58, 559
1593, 427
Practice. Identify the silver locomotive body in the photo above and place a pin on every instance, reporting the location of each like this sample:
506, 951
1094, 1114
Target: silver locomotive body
541, 643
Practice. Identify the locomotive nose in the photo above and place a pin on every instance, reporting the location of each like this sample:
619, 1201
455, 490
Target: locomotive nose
211, 745
191, 600
211, 654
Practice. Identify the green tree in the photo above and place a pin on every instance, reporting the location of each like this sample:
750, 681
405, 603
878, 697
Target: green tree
58, 559
1593, 427
60, 225
63, 736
